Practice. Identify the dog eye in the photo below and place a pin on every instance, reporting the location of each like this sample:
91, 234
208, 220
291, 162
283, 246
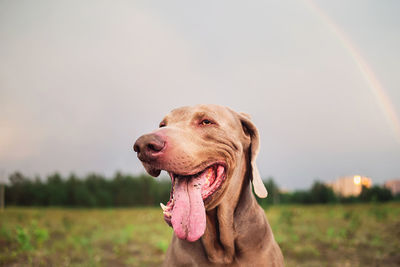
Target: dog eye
206, 122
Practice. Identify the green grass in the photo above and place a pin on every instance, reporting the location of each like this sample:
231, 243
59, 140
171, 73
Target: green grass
322, 235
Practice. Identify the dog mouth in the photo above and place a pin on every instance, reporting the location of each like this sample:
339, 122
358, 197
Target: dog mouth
185, 210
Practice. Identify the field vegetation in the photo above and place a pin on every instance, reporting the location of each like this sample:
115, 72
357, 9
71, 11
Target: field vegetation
309, 235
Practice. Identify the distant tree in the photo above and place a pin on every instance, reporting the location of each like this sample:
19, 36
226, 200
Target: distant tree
301, 196
161, 191
78, 193
321, 193
16, 178
72, 185
375, 194
17, 193
273, 193
98, 188
39, 192
56, 190
126, 190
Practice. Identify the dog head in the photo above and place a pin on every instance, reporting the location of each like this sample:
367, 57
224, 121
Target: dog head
206, 150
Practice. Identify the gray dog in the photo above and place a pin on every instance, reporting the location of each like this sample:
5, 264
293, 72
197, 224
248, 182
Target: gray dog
210, 153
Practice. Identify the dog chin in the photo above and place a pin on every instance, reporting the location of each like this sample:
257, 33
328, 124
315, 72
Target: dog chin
151, 169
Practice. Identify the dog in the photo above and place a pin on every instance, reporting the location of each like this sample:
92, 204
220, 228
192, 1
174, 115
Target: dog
210, 153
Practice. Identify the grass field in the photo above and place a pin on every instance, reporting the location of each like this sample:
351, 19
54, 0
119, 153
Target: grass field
331, 235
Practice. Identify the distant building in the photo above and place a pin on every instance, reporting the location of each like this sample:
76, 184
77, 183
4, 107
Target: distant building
350, 185
393, 186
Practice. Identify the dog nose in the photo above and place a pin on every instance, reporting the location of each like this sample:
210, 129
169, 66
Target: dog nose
148, 146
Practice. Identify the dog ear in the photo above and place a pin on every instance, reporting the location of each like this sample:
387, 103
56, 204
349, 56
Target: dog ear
250, 129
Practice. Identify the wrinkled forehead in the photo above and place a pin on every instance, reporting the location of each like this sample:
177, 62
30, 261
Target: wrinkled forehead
220, 114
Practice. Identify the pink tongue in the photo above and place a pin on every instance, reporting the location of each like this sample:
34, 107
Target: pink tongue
188, 214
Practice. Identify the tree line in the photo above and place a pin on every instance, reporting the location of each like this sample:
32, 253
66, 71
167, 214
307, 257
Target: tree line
320, 193
124, 190
93, 190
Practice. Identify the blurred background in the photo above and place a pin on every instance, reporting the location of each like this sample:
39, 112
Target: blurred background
81, 80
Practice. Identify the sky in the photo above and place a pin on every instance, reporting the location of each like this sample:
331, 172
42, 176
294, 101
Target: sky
81, 80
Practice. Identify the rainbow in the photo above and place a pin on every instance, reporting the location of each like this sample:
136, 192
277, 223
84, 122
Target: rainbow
375, 86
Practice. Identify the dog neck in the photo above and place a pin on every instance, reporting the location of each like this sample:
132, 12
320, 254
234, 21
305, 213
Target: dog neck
226, 222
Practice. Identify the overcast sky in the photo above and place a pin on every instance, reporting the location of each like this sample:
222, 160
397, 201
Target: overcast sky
81, 80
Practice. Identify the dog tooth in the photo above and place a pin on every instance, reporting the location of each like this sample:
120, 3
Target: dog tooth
167, 213
163, 206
